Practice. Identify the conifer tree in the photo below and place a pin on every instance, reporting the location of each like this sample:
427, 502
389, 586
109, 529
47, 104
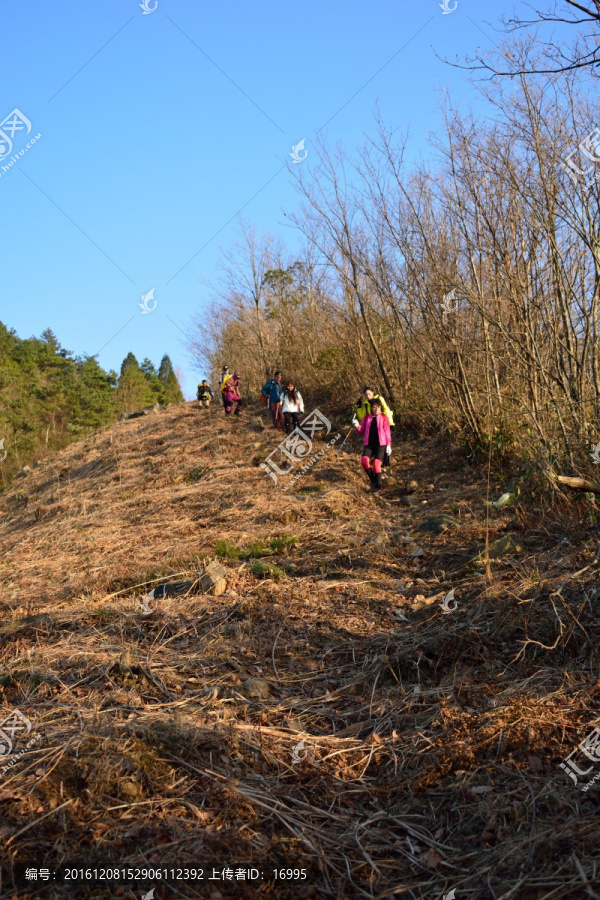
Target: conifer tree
166, 373
154, 382
133, 391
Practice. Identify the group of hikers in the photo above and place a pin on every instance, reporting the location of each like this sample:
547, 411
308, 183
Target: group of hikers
373, 419
285, 404
229, 386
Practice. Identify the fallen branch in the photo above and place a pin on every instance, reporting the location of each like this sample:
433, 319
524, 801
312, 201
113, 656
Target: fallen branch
582, 484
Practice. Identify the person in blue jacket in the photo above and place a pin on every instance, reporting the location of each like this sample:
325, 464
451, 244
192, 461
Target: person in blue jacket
273, 391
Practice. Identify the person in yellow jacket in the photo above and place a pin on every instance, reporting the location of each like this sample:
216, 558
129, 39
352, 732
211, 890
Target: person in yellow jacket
230, 395
363, 407
222, 377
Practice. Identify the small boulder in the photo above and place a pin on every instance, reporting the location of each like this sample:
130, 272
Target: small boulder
416, 552
406, 500
287, 516
499, 549
438, 524
257, 689
146, 411
381, 539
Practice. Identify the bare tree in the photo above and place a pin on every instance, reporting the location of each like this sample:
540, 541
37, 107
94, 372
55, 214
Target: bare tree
468, 289
538, 55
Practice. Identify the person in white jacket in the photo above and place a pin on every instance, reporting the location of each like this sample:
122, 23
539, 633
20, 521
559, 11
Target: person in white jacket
293, 405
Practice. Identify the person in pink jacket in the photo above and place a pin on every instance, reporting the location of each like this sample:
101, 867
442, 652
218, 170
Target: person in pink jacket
375, 427
230, 392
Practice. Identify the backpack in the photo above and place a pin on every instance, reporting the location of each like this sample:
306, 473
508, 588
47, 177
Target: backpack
265, 397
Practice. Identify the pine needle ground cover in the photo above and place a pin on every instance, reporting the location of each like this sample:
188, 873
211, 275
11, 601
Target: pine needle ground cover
325, 715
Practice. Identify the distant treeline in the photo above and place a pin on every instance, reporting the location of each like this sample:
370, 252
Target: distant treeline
49, 397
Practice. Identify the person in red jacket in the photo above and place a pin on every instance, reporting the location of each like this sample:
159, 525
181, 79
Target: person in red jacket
375, 427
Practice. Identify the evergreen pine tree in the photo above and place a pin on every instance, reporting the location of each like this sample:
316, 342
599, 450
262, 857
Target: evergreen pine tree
154, 382
133, 391
168, 378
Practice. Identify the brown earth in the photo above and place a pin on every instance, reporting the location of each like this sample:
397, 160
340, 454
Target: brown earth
427, 745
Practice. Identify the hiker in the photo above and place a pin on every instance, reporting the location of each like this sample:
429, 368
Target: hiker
375, 427
204, 394
272, 393
224, 374
230, 393
363, 407
292, 406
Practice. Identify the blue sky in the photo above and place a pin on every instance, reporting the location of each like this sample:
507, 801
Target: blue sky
157, 129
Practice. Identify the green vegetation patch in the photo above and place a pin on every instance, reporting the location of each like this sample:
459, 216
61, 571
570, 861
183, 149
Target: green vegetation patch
266, 570
195, 474
279, 544
226, 550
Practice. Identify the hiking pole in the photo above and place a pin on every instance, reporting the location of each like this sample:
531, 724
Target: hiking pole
345, 439
389, 465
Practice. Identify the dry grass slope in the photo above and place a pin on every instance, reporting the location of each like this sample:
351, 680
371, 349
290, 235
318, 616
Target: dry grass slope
431, 741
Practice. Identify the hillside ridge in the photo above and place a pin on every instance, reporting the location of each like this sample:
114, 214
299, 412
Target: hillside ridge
333, 711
